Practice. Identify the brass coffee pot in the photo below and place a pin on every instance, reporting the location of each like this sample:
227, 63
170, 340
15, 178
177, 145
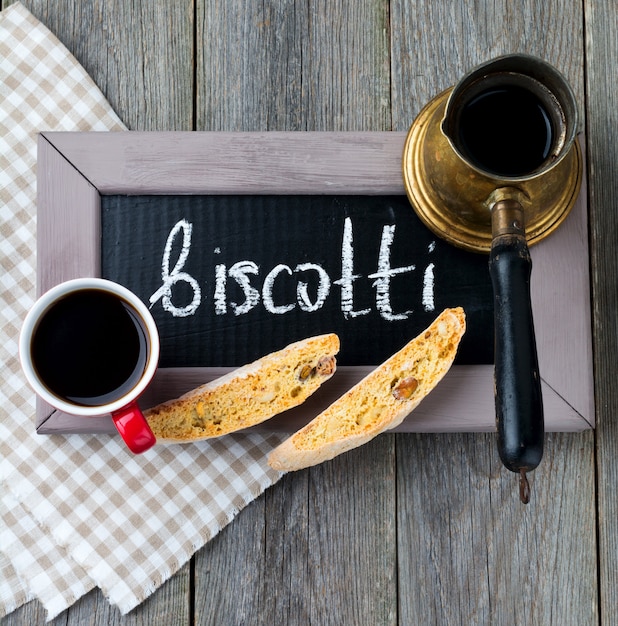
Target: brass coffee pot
492, 166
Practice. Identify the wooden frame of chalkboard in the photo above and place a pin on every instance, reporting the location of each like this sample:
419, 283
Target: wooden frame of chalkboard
76, 169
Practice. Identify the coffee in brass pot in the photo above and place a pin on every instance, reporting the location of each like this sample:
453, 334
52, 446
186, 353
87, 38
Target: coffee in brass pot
492, 166
518, 118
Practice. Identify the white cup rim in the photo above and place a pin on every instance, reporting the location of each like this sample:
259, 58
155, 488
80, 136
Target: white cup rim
42, 305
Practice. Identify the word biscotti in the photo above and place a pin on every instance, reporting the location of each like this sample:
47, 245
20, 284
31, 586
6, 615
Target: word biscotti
245, 275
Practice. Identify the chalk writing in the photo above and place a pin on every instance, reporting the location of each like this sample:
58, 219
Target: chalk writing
302, 290
428, 283
171, 278
347, 273
428, 289
384, 274
246, 273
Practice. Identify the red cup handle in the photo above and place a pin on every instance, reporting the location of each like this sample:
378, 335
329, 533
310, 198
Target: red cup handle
133, 428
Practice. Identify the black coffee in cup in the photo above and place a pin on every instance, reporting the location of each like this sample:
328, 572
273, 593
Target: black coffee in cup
90, 348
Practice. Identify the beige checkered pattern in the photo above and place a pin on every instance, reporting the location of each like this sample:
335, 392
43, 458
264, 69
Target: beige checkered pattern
81, 511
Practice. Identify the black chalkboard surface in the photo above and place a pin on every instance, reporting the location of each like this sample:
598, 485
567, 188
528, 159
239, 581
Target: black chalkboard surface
232, 278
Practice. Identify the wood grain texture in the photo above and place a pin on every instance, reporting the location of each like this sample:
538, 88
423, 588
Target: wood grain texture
434, 44
309, 556
31, 613
353, 538
296, 66
602, 110
170, 604
286, 65
444, 579
485, 558
229, 571
467, 551
237, 163
140, 54
53, 264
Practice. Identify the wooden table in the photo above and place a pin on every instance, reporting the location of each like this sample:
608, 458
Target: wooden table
410, 529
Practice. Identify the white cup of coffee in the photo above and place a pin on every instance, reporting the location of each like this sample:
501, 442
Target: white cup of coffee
90, 347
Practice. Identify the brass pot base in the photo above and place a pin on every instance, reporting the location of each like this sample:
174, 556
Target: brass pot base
454, 199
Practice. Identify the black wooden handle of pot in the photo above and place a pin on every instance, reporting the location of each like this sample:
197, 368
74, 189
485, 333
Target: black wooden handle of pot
519, 403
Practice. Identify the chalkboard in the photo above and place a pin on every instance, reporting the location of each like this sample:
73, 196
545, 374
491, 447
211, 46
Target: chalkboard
231, 278
78, 172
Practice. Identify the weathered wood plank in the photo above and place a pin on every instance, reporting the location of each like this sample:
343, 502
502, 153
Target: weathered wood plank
353, 537
140, 54
229, 570
602, 103
317, 548
285, 65
435, 43
242, 574
266, 70
169, 604
469, 551
285, 562
329, 553
32, 614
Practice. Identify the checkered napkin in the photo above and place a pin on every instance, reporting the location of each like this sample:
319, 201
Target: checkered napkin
81, 511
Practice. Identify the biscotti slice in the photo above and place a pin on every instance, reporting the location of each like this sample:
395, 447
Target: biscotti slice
248, 395
379, 401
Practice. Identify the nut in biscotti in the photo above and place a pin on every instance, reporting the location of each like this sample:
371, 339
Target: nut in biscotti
404, 389
326, 366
